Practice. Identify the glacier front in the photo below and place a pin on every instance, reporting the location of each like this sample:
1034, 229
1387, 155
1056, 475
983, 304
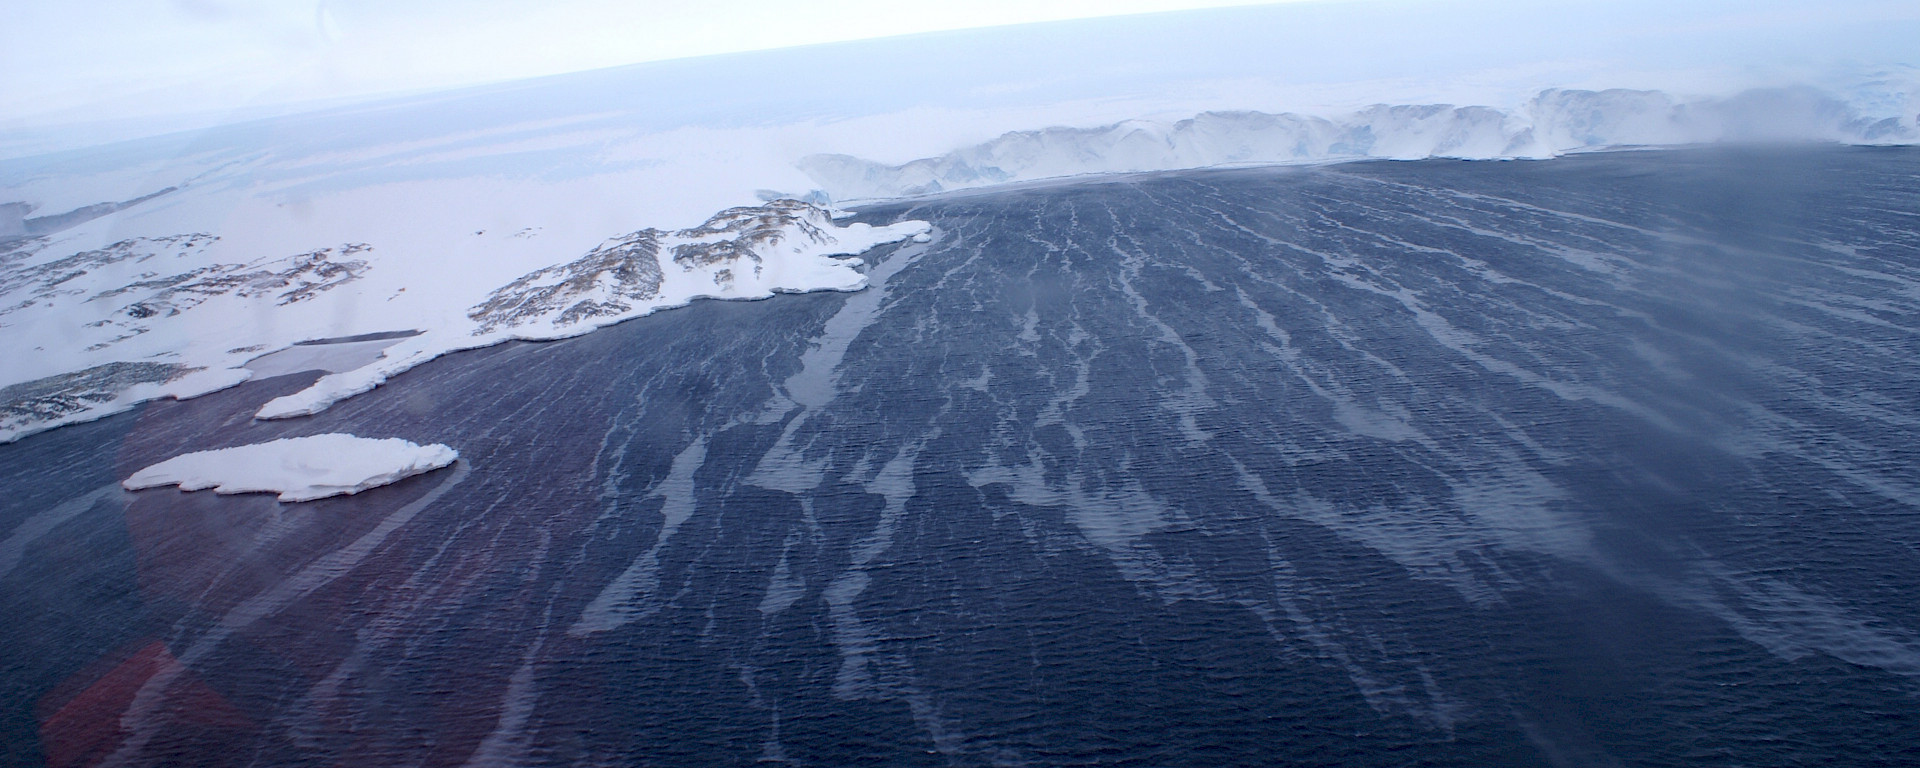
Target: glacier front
1554, 122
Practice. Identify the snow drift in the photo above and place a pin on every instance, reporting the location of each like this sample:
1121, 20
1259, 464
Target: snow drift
297, 468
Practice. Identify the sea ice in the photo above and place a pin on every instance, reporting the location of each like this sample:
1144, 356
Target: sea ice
297, 468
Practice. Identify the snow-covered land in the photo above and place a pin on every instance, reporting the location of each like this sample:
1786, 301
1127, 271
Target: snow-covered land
784, 246
161, 266
98, 331
297, 468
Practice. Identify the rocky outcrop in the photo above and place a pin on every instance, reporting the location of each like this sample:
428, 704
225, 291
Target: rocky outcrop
153, 291
293, 279
749, 230
52, 398
624, 275
609, 280
143, 279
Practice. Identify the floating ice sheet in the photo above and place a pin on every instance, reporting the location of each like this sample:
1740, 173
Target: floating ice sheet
297, 468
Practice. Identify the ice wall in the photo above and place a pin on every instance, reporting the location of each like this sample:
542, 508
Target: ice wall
1552, 123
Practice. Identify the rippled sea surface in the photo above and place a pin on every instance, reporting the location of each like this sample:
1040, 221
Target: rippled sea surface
1607, 460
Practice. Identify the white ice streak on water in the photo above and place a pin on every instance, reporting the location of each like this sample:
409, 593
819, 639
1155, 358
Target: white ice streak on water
1465, 343
784, 588
427, 591
1504, 510
1495, 496
857, 643
1190, 402
297, 468
1111, 519
816, 382
1428, 544
1789, 621
1437, 708
1351, 341
786, 467
633, 593
308, 722
44, 522
1349, 412
508, 743
139, 721
1444, 200
865, 671
1519, 511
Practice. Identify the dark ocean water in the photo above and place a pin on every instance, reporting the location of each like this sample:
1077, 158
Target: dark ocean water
1608, 460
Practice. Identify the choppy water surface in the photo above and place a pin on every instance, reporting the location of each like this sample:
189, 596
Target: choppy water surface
1604, 460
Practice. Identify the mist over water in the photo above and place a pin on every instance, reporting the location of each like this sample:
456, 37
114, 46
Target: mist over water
1603, 460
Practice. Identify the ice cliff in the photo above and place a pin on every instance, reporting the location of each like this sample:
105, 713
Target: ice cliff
1552, 123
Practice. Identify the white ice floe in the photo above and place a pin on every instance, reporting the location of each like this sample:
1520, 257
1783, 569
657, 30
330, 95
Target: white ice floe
297, 468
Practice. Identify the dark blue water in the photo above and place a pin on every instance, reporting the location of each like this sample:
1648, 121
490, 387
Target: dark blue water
1608, 460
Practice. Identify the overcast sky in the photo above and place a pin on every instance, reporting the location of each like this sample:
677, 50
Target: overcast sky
91, 59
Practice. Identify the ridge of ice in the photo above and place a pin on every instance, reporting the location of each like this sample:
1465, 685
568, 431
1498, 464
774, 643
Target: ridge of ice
1552, 123
297, 468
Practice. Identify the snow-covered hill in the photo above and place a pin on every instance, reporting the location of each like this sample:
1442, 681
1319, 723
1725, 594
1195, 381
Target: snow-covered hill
784, 246
97, 331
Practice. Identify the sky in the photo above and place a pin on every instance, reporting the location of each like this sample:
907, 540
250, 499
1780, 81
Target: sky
101, 59
87, 70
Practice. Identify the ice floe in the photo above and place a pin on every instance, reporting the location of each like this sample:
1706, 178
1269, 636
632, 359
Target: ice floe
297, 468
